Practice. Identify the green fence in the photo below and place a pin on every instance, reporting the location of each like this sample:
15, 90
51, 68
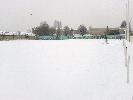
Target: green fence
45, 37
61, 37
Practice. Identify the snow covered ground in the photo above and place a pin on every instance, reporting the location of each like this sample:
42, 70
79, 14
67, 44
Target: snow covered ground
64, 70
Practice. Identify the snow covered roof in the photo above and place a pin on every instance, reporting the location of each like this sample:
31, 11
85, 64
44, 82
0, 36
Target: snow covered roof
27, 33
77, 35
16, 33
87, 35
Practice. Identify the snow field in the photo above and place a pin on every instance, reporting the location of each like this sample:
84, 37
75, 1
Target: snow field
64, 70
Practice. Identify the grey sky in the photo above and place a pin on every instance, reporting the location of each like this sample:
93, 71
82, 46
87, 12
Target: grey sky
15, 14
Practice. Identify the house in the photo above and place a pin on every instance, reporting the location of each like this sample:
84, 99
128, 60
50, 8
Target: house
4, 35
112, 33
77, 36
101, 31
88, 36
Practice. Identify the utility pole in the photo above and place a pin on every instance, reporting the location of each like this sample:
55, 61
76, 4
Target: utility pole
127, 29
107, 32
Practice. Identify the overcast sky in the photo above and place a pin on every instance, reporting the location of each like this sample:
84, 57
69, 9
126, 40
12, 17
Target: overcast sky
15, 14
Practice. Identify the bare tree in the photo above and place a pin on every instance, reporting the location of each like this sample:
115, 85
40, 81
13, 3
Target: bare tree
82, 30
66, 30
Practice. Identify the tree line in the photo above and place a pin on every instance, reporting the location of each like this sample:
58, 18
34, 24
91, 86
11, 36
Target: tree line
44, 29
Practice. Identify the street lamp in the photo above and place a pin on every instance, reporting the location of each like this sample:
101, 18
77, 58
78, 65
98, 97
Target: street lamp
128, 25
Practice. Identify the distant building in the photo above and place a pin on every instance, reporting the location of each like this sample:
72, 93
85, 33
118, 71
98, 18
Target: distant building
112, 33
77, 36
75, 32
4, 35
122, 30
101, 31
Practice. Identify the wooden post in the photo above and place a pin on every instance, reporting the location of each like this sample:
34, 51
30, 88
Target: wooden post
125, 52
